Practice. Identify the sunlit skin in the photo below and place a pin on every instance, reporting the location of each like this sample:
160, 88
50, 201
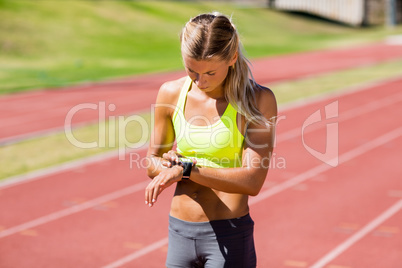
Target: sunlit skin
211, 193
208, 75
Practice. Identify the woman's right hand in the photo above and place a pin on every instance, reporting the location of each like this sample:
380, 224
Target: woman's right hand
166, 178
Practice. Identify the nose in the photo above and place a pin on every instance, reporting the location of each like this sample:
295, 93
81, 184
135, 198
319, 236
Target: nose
200, 81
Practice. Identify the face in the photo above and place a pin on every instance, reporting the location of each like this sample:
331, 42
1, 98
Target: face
208, 75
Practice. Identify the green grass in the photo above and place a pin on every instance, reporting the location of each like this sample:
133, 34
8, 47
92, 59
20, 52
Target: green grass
298, 89
51, 150
52, 43
55, 149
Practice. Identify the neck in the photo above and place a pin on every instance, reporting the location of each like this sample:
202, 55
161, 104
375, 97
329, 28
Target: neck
217, 93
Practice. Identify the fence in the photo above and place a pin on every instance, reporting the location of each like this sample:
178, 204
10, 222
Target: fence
353, 12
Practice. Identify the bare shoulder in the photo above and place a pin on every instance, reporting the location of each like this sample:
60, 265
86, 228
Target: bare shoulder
169, 92
266, 101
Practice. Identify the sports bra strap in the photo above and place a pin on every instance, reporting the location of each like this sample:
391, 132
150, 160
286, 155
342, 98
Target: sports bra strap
182, 98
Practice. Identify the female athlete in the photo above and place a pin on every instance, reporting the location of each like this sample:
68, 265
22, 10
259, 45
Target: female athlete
224, 125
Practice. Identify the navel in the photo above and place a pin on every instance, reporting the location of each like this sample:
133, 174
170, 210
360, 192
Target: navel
194, 195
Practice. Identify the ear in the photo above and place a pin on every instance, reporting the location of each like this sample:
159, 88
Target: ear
234, 59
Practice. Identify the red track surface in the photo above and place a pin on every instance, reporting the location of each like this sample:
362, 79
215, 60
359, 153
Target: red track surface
29, 114
94, 215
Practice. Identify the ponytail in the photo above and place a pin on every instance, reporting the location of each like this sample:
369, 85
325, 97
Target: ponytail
214, 35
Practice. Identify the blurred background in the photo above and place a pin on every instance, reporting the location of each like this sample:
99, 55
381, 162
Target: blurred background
58, 43
58, 54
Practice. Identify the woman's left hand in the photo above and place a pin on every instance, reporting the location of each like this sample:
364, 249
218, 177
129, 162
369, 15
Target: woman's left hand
166, 178
171, 158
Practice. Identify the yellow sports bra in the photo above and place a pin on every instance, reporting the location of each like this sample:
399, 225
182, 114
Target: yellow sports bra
218, 145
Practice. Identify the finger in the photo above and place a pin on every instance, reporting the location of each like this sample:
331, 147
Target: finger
155, 194
173, 157
168, 156
166, 164
147, 195
149, 192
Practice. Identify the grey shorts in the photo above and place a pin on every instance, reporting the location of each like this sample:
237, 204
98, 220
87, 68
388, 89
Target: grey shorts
214, 244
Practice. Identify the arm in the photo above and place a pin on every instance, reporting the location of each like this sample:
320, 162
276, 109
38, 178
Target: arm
162, 137
161, 142
257, 152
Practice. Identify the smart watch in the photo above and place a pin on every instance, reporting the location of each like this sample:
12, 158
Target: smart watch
187, 165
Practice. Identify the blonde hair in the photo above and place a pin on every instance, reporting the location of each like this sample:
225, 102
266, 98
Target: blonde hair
214, 36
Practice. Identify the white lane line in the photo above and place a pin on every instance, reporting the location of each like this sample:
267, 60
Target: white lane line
358, 235
75, 209
42, 173
292, 182
346, 115
366, 147
56, 111
57, 130
349, 90
38, 174
139, 253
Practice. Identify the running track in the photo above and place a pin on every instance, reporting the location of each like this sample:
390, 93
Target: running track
307, 215
36, 113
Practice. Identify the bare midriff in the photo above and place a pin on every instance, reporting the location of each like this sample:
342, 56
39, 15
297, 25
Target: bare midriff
196, 203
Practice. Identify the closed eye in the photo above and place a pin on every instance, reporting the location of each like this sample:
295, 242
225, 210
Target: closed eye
208, 73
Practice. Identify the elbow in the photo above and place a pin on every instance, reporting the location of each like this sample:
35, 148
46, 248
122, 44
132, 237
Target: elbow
251, 190
255, 186
254, 192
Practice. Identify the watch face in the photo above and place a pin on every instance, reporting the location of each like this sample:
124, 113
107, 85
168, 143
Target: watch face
187, 166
